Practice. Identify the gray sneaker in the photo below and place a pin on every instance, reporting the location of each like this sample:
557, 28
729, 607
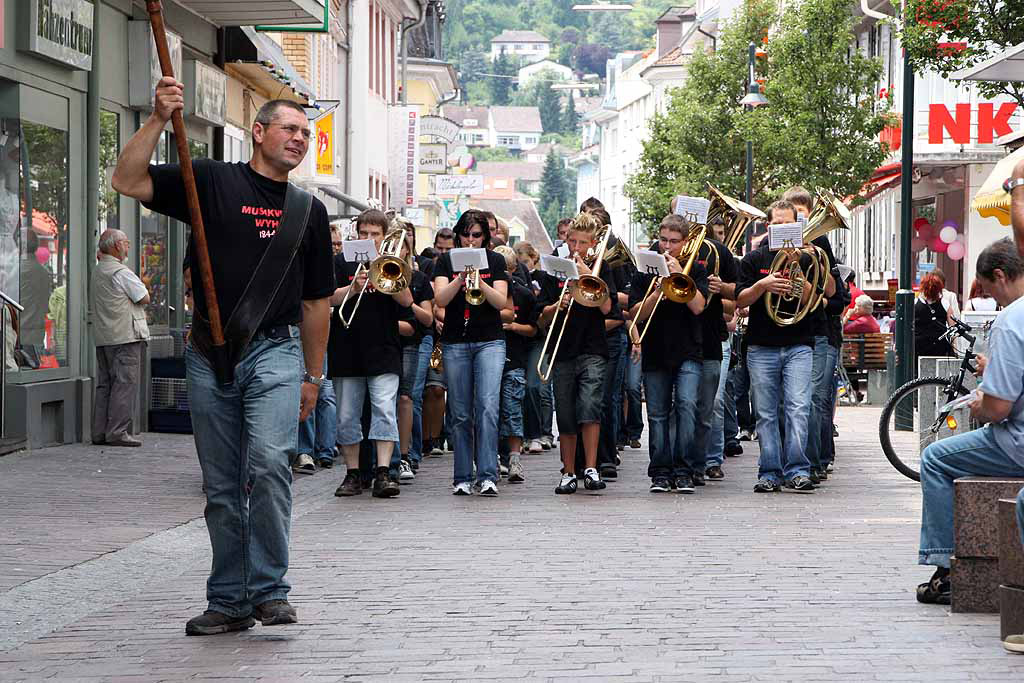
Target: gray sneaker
304, 464
516, 475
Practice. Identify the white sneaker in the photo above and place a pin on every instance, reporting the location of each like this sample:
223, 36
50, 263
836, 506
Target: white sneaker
547, 443
405, 472
515, 472
535, 446
592, 480
463, 489
488, 488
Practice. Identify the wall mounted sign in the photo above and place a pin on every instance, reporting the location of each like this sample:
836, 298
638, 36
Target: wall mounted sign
956, 126
403, 157
57, 30
206, 93
447, 185
144, 65
433, 157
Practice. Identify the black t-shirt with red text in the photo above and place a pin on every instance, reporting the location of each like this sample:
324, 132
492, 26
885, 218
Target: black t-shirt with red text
241, 210
761, 331
370, 346
584, 332
466, 323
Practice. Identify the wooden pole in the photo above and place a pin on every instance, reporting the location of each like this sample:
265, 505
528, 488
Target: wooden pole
156, 20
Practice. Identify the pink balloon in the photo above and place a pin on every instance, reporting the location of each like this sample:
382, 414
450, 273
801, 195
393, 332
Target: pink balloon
42, 255
937, 245
956, 251
917, 244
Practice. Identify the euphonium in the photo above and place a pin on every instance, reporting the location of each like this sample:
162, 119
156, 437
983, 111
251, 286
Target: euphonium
474, 295
737, 215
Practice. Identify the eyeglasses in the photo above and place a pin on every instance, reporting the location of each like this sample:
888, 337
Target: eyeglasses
292, 129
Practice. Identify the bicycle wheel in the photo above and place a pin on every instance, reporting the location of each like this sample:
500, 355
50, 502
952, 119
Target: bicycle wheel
911, 421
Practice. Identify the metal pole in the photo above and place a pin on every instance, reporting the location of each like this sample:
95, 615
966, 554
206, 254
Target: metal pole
750, 144
904, 369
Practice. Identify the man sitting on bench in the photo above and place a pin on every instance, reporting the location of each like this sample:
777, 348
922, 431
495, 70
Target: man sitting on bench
996, 450
861, 321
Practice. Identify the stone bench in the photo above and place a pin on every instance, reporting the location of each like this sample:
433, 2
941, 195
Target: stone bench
1011, 571
974, 569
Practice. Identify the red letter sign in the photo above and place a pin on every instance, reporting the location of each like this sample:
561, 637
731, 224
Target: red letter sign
990, 126
959, 129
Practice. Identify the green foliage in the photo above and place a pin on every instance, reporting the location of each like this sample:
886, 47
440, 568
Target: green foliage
571, 117
501, 86
556, 194
820, 128
493, 154
933, 28
550, 106
477, 92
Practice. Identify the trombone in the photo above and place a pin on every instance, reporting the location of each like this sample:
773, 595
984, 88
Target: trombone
677, 287
589, 291
388, 273
829, 214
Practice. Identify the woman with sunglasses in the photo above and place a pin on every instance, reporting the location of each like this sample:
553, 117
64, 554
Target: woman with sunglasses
473, 345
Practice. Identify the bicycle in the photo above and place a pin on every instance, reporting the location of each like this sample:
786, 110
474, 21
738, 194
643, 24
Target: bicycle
846, 393
922, 407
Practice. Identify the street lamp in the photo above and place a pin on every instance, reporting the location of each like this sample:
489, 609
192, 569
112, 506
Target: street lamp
753, 98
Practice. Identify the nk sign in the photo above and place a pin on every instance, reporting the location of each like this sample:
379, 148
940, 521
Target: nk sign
324, 132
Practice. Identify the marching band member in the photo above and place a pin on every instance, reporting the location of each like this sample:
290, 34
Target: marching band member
473, 347
672, 353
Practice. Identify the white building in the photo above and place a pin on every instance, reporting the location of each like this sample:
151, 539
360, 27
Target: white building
475, 123
528, 46
552, 69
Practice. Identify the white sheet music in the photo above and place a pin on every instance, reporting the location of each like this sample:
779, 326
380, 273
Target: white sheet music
693, 209
651, 263
785, 235
561, 268
359, 250
468, 257
563, 250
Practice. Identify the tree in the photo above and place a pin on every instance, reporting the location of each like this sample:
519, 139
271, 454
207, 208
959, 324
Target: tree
555, 200
571, 118
819, 129
955, 34
501, 79
592, 59
550, 106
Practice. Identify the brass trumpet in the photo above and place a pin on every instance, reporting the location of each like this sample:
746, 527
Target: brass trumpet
388, 273
829, 214
474, 295
677, 287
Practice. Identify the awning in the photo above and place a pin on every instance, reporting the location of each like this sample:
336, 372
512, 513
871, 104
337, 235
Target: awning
253, 12
883, 178
1007, 65
255, 57
991, 201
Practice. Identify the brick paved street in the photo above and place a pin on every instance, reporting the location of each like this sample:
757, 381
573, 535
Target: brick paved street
104, 556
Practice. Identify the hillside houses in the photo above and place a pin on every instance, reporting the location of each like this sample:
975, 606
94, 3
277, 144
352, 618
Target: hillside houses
512, 128
528, 46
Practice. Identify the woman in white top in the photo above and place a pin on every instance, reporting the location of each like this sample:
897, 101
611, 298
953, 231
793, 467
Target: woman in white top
979, 300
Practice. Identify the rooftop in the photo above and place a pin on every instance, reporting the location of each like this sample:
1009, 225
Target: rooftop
525, 209
517, 119
520, 37
520, 170
460, 114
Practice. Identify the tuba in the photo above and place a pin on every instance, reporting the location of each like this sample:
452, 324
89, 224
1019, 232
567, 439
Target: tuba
388, 273
829, 214
737, 216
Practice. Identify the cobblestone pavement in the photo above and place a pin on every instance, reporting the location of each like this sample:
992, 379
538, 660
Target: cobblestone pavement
104, 557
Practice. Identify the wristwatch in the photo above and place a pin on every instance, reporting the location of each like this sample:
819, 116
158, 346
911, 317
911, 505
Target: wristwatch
1011, 183
310, 379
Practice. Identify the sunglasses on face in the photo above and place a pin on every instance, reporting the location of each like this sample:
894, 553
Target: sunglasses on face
474, 235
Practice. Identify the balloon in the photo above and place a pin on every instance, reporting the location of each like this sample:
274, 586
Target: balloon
42, 255
956, 251
917, 244
948, 234
937, 245
951, 223
466, 161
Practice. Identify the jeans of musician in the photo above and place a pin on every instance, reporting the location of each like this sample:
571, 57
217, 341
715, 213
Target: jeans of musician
318, 431
532, 411
1020, 515
828, 404
710, 374
418, 386
612, 414
473, 371
743, 398
818, 397
716, 439
786, 369
974, 454
634, 427
246, 434
672, 398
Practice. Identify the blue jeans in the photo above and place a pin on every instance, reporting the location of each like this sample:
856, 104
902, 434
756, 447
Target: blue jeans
533, 425
974, 454
819, 381
418, 385
383, 391
788, 369
709, 377
634, 406
246, 434
513, 388
716, 440
1020, 515
672, 395
611, 420
473, 372
828, 406
318, 432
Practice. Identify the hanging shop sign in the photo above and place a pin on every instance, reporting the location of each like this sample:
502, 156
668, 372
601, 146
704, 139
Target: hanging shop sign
323, 130
144, 65
403, 157
433, 157
457, 185
57, 30
206, 93
440, 127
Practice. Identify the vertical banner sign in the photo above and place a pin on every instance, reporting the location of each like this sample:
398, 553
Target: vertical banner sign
324, 132
404, 156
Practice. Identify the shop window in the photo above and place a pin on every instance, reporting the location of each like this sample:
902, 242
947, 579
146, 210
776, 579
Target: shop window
110, 145
34, 239
153, 232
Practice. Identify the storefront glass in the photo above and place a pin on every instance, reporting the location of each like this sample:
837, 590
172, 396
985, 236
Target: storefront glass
153, 230
110, 145
34, 240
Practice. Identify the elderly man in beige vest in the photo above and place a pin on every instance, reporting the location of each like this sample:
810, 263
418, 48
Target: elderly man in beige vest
120, 331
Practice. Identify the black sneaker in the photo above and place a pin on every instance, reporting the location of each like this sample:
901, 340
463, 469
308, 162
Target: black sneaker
660, 485
714, 472
698, 480
383, 485
609, 473
325, 463
350, 486
211, 623
815, 477
733, 450
634, 443
938, 590
592, 480
274, 612
684, 483
823, 474
800, 484
764, 485
567, 484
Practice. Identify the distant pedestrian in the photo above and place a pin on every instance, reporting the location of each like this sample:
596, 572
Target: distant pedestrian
119, 299
862, 321
931, 320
